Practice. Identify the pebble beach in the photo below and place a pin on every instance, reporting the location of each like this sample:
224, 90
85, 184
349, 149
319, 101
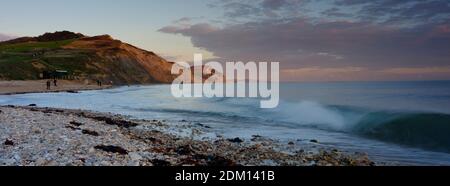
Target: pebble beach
34, 136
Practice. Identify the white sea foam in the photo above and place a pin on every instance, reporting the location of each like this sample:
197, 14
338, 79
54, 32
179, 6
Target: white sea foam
312, 114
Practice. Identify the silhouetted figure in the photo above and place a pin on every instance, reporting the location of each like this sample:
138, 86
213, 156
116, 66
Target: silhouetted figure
48, 85
99, 83
55, 82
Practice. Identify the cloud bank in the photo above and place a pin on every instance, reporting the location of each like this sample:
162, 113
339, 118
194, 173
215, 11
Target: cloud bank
376, 37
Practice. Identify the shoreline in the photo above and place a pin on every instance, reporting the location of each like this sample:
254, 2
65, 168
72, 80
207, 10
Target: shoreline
39, 86
34, 136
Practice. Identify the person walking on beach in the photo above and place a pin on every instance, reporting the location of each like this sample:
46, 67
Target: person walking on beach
55, 82
48, 84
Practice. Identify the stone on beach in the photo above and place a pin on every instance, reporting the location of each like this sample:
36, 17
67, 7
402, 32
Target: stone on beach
236, 140
9, 142
112, 149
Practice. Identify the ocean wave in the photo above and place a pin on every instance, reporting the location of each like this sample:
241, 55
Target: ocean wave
416, 129
424, 130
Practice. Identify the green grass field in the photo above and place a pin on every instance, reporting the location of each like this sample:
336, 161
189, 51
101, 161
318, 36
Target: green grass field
34, 46
24, 61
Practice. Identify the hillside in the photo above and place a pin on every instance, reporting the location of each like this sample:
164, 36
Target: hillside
91, 58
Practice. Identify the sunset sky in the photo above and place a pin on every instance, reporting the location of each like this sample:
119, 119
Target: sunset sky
314, 40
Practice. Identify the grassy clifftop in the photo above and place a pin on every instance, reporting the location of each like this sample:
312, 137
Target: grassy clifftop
99, 57
24, 61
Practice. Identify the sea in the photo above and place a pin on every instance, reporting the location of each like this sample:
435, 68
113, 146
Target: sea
395, 123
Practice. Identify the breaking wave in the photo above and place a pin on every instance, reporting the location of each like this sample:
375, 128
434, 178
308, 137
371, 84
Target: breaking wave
416, 129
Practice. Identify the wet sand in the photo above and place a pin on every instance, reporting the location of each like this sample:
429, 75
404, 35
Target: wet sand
39, 86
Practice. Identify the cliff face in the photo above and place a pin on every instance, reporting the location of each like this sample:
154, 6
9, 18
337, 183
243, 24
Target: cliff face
123, 63
88, 58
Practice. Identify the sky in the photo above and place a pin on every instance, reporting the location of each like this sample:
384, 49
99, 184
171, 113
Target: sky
314, 40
